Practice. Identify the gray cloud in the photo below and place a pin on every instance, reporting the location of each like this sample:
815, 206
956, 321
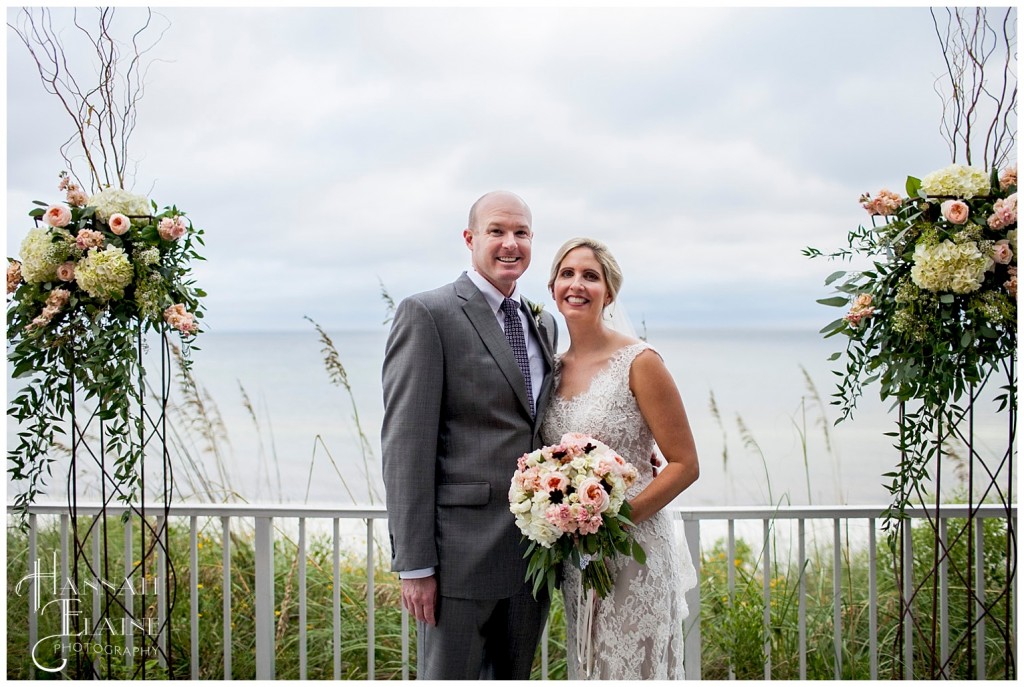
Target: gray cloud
323, 149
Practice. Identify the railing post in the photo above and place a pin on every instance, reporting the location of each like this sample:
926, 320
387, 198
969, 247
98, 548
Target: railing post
129, 597
837, 598
225, 546
303, 604
33, 586
908, 590
193, 594
802, 596
872, 599
264, 545
371, 609
691, 626
766, 558
979, 595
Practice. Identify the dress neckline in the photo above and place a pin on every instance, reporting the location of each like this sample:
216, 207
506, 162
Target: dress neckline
604, 370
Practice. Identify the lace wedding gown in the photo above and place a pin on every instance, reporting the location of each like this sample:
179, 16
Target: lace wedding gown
637, 630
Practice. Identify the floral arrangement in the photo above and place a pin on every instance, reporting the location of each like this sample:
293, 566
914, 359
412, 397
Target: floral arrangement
569, 500
94, 273
936, 313
940, 305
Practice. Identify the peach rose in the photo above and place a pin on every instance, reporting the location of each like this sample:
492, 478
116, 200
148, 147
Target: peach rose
119, 224
592, 493
66, 272
1001, 252
555, 481
955, 211
57, 216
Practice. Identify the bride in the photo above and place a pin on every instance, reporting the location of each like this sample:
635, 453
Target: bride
617, 389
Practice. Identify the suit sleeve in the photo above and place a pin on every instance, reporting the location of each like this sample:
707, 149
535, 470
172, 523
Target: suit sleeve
413, 377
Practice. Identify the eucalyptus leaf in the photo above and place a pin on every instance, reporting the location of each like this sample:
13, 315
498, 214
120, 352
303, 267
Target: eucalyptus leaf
835, 301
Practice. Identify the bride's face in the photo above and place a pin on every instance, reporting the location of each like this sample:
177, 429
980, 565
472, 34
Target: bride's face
580, 289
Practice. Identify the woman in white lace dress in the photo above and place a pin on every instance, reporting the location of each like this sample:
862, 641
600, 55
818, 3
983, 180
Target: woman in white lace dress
617, 389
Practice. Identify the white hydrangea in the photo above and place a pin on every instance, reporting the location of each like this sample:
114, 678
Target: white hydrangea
950, 267
105, 273
956, 180
113, 200
41, 255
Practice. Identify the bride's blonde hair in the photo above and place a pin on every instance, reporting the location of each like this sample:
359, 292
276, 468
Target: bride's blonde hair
610, 267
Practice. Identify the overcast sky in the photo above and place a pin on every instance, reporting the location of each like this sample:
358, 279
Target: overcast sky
324, 149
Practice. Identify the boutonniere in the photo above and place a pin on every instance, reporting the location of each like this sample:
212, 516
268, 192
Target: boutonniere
536, 309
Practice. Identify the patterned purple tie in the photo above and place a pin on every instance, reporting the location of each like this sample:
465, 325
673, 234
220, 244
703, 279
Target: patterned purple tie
516, 339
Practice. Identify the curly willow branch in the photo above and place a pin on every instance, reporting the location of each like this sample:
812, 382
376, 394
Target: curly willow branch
105, 112
980, 72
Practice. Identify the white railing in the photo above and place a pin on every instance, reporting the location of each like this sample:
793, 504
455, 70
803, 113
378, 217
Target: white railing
712, 522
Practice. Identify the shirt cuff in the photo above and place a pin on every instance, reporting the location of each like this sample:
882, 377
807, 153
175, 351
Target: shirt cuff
415, 574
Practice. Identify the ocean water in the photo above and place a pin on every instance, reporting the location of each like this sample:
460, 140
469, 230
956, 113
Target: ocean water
288, 435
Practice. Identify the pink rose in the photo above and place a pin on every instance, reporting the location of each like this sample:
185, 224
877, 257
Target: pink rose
592, 493
1011, 283
1004, 212
66, 272
1002, 253
57, 216
119, 224
955, 211
172, 229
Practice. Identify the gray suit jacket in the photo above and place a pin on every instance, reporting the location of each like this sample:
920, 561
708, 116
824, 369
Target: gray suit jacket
456, 419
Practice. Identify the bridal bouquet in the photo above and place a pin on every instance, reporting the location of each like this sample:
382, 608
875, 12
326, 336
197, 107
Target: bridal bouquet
569, 501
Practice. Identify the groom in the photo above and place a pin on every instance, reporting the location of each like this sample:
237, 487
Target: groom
467, 374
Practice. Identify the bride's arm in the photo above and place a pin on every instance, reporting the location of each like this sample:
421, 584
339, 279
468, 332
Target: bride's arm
662, 407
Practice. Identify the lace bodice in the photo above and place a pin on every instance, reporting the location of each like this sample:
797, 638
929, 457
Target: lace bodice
607, 411
637, 630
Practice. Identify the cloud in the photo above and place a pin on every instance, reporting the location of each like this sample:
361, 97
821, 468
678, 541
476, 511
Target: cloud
324, 149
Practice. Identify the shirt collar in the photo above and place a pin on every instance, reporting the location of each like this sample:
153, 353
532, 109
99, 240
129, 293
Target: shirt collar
490, 292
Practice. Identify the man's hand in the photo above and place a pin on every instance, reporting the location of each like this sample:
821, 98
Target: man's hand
419, 595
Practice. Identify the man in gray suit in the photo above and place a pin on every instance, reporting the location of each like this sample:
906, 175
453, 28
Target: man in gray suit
467, 374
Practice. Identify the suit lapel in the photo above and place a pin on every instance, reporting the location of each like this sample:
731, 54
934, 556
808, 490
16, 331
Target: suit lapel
486, 324
540, 333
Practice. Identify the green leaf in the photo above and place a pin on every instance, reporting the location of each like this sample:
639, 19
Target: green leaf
835, 301
947, 298
913, 186
639, 555
832, 277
